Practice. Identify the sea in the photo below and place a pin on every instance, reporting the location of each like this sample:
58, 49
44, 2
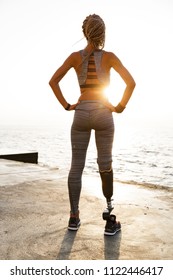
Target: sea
142, 151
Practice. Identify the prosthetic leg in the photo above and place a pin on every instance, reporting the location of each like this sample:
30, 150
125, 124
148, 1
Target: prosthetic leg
112, 226
107, 188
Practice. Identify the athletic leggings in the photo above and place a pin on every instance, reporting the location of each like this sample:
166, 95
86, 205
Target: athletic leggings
89, 115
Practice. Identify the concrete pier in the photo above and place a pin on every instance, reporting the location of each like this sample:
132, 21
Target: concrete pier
29, 157
34, 213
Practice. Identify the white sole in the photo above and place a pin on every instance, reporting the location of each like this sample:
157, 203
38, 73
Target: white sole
111, 233
74, 228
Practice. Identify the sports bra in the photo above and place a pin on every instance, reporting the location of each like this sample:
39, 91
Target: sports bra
92, 75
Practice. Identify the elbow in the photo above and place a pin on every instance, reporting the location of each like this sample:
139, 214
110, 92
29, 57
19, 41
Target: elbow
132, 85
51, 83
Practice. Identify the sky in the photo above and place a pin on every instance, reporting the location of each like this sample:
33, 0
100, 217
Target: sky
38, 35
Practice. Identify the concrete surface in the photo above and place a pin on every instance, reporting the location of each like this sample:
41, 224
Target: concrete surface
34, 212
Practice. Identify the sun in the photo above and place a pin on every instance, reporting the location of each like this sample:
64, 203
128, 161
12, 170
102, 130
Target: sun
108, 91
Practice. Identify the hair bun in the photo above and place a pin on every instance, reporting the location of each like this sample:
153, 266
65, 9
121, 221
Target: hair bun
94, 30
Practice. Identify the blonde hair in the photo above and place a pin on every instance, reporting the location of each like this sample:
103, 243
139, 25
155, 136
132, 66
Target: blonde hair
94, 30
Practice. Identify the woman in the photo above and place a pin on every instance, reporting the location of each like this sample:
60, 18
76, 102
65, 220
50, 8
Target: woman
92, 111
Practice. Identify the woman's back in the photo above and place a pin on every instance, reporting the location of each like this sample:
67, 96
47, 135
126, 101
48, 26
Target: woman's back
93, 72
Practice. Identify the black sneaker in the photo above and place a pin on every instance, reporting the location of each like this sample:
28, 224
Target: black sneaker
74, 222
112, 226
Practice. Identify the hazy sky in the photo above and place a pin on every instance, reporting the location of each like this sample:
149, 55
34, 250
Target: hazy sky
37, 35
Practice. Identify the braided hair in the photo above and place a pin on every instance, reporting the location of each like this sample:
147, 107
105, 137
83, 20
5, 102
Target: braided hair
94, 30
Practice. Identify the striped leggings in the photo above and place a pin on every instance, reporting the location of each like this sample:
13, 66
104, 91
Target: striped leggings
89, 115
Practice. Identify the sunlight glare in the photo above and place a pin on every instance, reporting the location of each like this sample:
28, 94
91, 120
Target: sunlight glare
109, 93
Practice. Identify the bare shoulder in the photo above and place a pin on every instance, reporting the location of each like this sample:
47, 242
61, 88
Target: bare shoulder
111, 57
75, 54
74, 58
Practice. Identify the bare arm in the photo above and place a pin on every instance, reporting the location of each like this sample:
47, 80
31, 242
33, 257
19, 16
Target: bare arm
127, 78
56, 78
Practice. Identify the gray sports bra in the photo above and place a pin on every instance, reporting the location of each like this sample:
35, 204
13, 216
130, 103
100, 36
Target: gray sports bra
92, 71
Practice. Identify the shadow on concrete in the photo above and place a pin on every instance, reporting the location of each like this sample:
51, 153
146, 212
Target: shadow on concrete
112, 246
66, 246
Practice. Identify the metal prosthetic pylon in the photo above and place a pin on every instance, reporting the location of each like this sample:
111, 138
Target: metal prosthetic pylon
106, 213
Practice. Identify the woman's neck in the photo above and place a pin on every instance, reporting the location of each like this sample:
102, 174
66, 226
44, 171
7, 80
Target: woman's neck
88, 49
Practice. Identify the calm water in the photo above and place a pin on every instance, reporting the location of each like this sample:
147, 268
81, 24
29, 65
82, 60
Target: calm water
142, 153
